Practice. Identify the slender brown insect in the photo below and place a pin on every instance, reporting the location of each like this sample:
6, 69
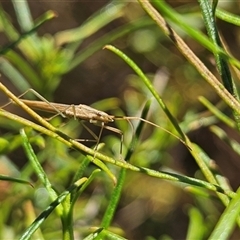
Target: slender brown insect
84, 112
78, 112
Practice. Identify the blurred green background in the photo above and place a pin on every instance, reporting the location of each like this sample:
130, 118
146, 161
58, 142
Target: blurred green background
80, 71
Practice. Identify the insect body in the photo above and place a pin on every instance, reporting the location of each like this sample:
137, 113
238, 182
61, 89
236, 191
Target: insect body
80, 112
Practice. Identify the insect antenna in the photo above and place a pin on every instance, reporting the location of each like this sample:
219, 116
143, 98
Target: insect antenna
128, 118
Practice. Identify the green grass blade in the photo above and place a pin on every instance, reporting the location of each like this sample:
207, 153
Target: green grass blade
68, 206
222, 65
6, 26
12, 73
204, 162
101, 18
227, 220
104, 167
38, 168
16, 180
213, 176
224, 137
23, 14
75, 196
32, 41
108, 235
216, 112
41, 218
196, 226
228, 17
30, 76
149, 85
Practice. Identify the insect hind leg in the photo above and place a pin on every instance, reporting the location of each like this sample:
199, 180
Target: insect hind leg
96, 138
118, 131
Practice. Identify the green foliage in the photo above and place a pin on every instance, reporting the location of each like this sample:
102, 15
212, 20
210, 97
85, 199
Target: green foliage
93, 191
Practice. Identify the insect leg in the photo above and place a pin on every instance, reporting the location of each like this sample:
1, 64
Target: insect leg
41, 98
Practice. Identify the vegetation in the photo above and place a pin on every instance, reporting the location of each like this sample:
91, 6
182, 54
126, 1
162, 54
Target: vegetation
176, 176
